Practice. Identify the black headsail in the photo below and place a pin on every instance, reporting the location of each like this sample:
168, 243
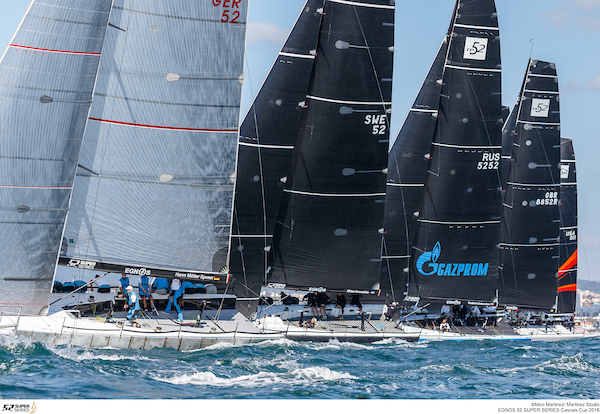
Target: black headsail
455, 252
407, 169
567, 204
267, 138
330, 225
530, 219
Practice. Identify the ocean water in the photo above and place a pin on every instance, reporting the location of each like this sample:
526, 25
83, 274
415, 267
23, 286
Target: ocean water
286, 369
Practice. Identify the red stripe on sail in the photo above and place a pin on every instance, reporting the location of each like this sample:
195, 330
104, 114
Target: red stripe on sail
568, 288
57, 51
572, 261
163, 127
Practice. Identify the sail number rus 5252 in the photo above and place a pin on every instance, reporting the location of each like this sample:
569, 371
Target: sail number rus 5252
231, 10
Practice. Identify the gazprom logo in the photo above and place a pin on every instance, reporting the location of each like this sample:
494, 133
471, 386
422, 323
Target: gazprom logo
427, 265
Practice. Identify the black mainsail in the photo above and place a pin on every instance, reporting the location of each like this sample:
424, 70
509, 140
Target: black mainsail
455, 254
531, 221
407, 169
329, 228
47, 76
266, 143
567, 204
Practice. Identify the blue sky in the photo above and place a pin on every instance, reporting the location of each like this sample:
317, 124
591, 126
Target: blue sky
566, 32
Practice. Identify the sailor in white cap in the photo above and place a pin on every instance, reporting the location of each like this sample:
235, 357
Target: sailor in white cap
134, 306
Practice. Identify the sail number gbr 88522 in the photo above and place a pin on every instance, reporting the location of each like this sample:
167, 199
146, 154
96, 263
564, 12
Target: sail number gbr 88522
231, 10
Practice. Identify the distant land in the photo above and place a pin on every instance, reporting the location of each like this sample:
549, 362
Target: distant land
592, 286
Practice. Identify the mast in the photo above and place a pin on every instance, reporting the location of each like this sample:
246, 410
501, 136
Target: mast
455, 254
567, 272
531, 222
48, 73
329, 229
265, 148
407, 169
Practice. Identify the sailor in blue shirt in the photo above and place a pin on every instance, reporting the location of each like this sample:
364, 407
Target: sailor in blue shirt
134, 306
124, 283
144, 290
174, 299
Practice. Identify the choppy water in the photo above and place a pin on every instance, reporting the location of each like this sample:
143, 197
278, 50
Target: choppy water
285, 369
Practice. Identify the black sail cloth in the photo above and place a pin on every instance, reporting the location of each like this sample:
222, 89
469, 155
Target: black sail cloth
267, 138
329, 229
455, 253
530, 219
567, 273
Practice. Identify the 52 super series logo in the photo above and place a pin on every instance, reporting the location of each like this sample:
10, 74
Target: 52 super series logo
427, 264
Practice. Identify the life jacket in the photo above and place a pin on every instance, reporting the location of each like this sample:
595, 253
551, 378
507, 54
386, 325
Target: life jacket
133, 300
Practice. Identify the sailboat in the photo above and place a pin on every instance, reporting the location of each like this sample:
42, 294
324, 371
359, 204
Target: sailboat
144, 166
443, 213
444, 169
567, 272
312, 164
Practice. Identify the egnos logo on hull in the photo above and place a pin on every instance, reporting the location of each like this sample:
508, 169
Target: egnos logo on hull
427, 265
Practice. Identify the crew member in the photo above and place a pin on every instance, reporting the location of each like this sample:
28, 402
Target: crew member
134, 306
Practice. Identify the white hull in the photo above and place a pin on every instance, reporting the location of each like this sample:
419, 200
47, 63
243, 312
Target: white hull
531, 334
65, 328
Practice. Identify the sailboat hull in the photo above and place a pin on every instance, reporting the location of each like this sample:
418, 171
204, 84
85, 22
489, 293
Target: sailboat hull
65, 328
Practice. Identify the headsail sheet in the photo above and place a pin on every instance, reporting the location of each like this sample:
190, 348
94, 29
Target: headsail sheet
567, 272
455, 248
155, 183
407, 169
267, 139
329, 229
530, 219
47, 77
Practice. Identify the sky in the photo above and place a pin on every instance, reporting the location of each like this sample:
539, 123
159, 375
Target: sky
566, 32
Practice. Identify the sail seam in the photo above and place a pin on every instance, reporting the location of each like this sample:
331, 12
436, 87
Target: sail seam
317, 98
70, 52
467, 146
539, 123
355, 3
35, 187
333, 194
297, 55
466, 223
536, 91
475, 69
534, 185
163, 127
248, 144
530, 245
468, 26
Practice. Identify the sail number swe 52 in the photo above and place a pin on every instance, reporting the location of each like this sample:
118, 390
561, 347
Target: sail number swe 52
230, 14
378, 122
